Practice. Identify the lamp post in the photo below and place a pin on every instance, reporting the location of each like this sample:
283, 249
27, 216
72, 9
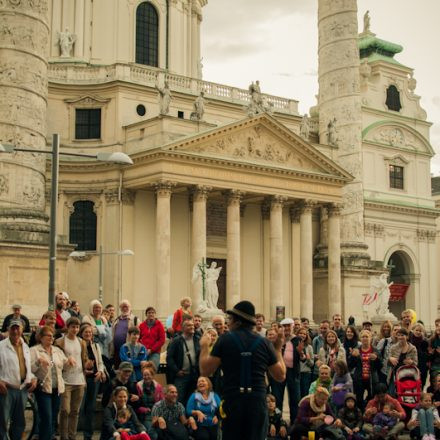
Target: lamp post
116, 157
79, 254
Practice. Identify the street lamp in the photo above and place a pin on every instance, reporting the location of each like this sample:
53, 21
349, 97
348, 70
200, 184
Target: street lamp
116, 157
82, 254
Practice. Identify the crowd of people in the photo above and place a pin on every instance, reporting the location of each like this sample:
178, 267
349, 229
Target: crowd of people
130, 378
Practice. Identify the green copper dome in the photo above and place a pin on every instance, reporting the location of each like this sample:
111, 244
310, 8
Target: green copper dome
369, 44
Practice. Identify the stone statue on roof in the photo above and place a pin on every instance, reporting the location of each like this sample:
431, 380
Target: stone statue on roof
164, 98
367, 22
66, 40
199, 108
304, 129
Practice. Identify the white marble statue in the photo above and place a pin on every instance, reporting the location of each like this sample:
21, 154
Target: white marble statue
209, 276
164, 98
212, 274
199, 108
304, 129
66, 41
383, 294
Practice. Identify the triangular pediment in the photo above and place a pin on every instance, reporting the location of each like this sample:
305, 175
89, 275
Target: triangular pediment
397, 136
260, 141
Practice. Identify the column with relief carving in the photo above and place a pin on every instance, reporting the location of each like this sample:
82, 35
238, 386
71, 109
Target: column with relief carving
198, 239
276, 253
306, 266
163, 246
334, 260
233, 248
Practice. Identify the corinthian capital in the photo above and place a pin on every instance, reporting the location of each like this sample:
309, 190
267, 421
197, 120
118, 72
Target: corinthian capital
334, 209
234, 196
306, 206
163, 188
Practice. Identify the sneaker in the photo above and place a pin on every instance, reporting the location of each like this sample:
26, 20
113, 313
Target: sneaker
427, 437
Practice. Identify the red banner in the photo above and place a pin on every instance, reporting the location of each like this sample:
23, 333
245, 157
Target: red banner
398, 292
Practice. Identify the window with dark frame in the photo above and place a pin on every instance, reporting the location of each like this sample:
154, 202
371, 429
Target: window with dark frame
88, 123
82, 226
396, 176
393, 99
147, 35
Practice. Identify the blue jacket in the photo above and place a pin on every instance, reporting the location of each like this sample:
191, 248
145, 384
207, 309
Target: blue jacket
134, 354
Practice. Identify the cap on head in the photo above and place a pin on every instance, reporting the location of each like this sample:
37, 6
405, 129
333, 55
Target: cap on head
287, 321
16, 306
126, 366
15, 322
244, 310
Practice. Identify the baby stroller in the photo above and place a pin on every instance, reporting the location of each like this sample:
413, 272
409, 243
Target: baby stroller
408, 387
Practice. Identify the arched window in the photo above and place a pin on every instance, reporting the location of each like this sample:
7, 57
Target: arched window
82, 226
393, 99
147, 35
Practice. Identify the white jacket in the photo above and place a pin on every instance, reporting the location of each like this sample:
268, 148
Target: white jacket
9, 366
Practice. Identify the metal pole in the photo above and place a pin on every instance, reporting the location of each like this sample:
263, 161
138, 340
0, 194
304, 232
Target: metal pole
53, 221
100, 295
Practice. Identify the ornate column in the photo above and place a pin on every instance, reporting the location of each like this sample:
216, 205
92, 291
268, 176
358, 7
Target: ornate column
276, 253
334, 260
198, 238
296, 257
306, 266
163, 245
233, 248
24, 44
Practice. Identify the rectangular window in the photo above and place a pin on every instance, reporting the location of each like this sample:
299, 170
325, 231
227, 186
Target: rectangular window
396, 177
88, 123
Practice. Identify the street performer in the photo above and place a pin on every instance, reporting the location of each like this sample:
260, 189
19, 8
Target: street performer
245, 357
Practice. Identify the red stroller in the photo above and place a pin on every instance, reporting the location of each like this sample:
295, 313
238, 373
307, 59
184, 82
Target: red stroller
408, 387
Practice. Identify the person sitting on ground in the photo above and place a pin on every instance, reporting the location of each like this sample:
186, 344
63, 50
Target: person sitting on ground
122, 379
119, 400
128, 428
203, 406
169, 417
351, 418
342, 384
384, 421
324, 379
434, 350
376, 404
315, 414
134, 352
434, 389
277, 426
425, 421
149, 392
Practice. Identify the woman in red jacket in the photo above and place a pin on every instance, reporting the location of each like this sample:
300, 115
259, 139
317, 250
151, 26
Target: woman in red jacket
152, 336
180, 314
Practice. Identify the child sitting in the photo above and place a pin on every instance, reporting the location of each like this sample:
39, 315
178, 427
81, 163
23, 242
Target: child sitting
134, 352
425, 421
351, 417
342, 384
324, 379
383, 422
277, 426
127, 427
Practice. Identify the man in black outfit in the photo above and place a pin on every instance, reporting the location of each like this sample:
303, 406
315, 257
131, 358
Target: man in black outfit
244, 357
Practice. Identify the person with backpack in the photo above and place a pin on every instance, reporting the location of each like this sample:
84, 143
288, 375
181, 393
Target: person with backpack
244, 357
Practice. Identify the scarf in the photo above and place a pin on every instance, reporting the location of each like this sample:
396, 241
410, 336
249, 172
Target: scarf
325, 384
315, 408
200, 400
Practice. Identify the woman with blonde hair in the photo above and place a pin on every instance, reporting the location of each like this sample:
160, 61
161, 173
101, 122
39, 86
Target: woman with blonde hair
203, 405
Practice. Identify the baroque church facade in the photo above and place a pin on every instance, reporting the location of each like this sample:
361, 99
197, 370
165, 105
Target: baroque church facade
302, 214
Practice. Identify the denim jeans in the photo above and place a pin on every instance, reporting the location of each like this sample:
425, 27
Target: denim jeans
48, 407
12, 407
88, 407
185, 387
304, 382
155, 358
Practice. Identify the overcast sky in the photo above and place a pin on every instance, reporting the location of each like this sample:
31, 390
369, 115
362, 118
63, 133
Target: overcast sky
276, 42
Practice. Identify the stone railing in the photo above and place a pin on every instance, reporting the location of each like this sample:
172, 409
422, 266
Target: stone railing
75, 73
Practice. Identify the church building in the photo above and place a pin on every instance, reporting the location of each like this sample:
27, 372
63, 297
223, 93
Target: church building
303, 213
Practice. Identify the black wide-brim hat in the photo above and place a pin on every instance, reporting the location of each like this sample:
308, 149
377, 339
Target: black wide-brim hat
243, 310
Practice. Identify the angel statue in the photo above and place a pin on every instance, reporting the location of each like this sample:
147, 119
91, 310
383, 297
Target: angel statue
383, 294
164, 98
209, 277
